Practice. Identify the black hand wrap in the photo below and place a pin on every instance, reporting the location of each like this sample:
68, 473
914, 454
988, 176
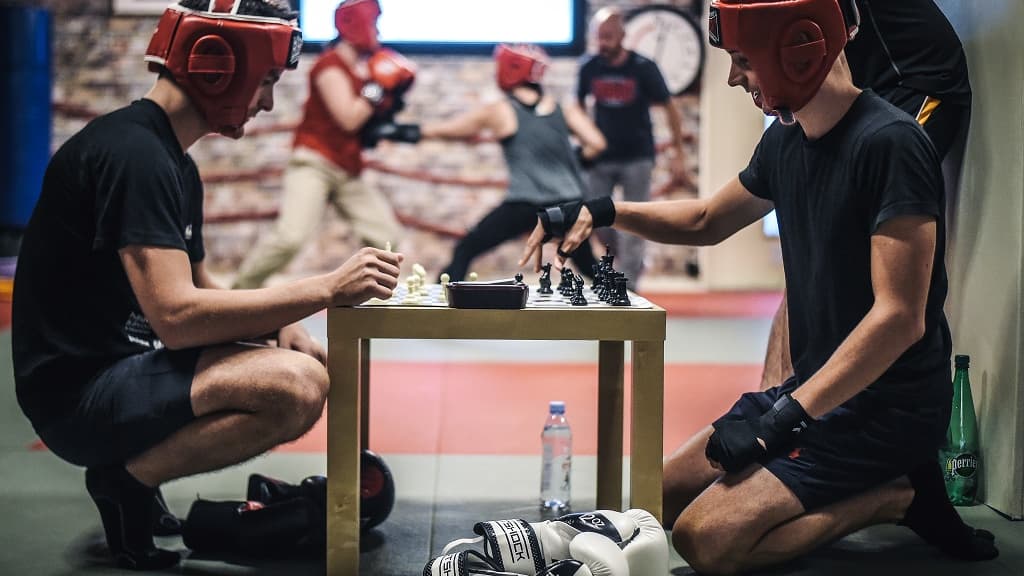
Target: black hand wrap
734, 443
376, 130
558, 220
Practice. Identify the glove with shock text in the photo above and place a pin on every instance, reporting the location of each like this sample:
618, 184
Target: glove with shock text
734, 443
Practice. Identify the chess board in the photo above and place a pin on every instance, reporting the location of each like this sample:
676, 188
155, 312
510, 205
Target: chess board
431, 296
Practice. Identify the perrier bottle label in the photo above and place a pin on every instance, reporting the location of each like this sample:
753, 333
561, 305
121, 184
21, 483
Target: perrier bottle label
961, 466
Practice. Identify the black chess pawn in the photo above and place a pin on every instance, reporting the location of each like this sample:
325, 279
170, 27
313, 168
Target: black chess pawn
545, 280
577, 298
519, 278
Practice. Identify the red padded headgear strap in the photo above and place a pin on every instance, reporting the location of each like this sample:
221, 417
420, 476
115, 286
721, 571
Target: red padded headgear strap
791, 44
220, 58
519, 64
356, 21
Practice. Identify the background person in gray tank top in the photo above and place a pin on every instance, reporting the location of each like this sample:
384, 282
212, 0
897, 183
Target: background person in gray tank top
534, 132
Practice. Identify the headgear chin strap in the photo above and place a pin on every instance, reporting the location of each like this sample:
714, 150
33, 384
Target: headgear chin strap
519, 64
356, 21
220, 58
791, 45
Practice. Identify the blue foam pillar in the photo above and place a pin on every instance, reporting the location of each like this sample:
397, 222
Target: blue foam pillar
25, 112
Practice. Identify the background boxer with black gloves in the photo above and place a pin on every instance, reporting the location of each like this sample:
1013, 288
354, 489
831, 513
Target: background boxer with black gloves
354, 85
858, 190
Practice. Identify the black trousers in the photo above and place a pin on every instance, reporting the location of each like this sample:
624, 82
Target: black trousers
509, 220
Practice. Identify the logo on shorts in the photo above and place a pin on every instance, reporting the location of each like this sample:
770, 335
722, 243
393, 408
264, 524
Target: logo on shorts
188, 232
962, 465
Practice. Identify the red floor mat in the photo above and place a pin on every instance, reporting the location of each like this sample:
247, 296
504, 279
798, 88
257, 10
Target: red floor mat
420, 408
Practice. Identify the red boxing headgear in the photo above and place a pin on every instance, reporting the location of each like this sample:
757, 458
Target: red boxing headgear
520, 64
791, 44
220, 58
356, 21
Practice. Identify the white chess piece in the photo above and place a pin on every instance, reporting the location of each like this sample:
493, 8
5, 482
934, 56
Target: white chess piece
473, 276
420, 271
445, 278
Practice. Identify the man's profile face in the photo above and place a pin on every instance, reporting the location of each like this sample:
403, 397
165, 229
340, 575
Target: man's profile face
609, 38
742, 74
263, 99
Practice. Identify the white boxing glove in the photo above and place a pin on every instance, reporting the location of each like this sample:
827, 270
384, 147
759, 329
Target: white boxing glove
647, 551
464, 563
637, 532
527, 548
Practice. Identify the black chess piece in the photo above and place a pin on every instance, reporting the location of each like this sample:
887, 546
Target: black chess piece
565, 283
620, 296
545, 280
519, 278
577, 298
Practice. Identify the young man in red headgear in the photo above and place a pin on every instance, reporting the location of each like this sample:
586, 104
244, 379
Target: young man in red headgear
354, 86
126, 354
851, 439
534, 132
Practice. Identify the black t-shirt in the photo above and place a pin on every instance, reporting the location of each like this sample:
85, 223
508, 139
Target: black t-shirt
622, 99
908, 43
831, 195
123, 180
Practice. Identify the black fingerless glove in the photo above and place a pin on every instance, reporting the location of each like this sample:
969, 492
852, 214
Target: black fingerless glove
734, 443
559, 219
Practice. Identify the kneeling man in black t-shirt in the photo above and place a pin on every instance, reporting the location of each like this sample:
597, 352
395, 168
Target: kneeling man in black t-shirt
851, 439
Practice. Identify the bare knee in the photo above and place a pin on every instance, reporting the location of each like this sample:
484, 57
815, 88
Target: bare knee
704, 545
295, 400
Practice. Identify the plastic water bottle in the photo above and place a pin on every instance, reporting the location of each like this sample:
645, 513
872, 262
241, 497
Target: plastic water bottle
556, 464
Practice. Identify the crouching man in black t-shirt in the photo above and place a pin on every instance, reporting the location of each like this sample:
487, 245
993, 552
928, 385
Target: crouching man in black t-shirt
851, 439
126, 354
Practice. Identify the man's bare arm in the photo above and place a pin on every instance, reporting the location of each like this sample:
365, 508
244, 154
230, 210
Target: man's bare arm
185, 315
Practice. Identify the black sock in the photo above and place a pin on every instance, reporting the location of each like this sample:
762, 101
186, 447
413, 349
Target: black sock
934, 519
126, 508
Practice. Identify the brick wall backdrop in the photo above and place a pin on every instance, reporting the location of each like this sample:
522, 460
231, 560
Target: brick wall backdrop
98, 67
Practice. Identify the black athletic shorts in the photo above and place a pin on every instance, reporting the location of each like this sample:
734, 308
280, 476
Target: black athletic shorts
864, 443
126, 409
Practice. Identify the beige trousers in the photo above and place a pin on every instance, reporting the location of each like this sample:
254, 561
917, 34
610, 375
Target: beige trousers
310, 182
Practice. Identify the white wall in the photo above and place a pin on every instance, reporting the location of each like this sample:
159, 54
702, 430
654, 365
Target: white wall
987, 241
730, 128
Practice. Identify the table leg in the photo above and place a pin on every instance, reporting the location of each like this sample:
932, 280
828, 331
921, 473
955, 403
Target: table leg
364, 389
343, 433
609, 424
647, 426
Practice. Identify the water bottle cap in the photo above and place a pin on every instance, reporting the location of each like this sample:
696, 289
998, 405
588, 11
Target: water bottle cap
557, 407
962, 361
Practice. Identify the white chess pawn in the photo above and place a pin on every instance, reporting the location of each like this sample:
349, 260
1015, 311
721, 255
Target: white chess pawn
420, 271
445, 278
473, 276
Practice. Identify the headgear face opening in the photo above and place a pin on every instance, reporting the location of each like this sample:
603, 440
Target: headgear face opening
791, 44
220, 58
520, 64
356, 21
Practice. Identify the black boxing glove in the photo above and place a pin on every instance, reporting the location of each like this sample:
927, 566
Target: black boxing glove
375, 131
734, 443
559, 219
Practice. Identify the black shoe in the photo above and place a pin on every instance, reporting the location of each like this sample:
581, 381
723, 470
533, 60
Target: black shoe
165, 523
127, 510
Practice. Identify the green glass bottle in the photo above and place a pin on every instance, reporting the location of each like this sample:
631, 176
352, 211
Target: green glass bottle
960, 458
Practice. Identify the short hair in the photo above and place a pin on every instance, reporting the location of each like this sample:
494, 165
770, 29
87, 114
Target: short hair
267, 8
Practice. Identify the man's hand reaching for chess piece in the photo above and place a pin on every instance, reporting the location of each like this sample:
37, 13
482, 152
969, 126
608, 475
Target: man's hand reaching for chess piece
572, 223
